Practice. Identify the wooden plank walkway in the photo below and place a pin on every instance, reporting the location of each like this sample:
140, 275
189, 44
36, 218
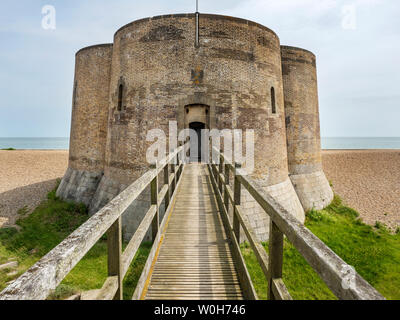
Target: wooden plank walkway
194, 261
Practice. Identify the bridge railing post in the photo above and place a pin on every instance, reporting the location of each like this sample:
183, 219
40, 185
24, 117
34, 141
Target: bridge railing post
172, 167
275, 257
236, 195
154, 201
166, 182
180, 157
220, 171
114, 252
226, 195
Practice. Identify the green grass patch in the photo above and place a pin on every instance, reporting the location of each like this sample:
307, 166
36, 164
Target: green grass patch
300, 279
45, 228
50, 223
373, 252
91, 272
135, 271
8, 149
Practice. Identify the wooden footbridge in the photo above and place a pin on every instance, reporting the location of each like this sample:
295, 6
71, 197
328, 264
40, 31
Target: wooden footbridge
196, 253
194, 261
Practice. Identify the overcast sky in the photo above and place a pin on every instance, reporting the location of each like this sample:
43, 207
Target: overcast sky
357, 43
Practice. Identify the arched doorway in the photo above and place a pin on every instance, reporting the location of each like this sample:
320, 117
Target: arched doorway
197, 118
197, 127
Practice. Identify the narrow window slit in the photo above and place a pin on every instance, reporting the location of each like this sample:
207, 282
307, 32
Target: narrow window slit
120, 95
273, 103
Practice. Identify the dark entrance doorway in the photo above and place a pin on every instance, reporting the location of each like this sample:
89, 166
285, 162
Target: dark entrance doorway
196, 126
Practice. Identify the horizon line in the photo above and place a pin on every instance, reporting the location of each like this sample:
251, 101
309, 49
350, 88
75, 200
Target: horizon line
330, 137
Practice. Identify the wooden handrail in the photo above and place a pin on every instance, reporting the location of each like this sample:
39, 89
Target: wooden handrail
249, 291
134, 243
328, 265
43, 278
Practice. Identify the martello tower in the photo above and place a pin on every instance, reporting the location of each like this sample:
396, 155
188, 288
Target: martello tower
218, 71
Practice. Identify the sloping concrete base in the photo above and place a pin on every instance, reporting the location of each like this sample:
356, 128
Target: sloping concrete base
313, 190
79, 186
259, 220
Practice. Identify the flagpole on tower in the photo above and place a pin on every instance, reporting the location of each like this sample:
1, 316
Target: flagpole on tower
197, 44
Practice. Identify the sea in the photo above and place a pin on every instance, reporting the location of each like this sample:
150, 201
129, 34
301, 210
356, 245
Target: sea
327, 143
360, 143
35, 143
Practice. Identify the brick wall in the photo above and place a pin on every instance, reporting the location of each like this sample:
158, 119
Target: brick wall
88, 123
161, 71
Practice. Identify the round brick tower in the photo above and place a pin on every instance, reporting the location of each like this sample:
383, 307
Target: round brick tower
303, 128
159, 73
202, 71
88, 124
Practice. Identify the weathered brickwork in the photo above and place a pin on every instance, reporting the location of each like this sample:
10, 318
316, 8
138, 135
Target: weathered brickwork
88, 124
154, 73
